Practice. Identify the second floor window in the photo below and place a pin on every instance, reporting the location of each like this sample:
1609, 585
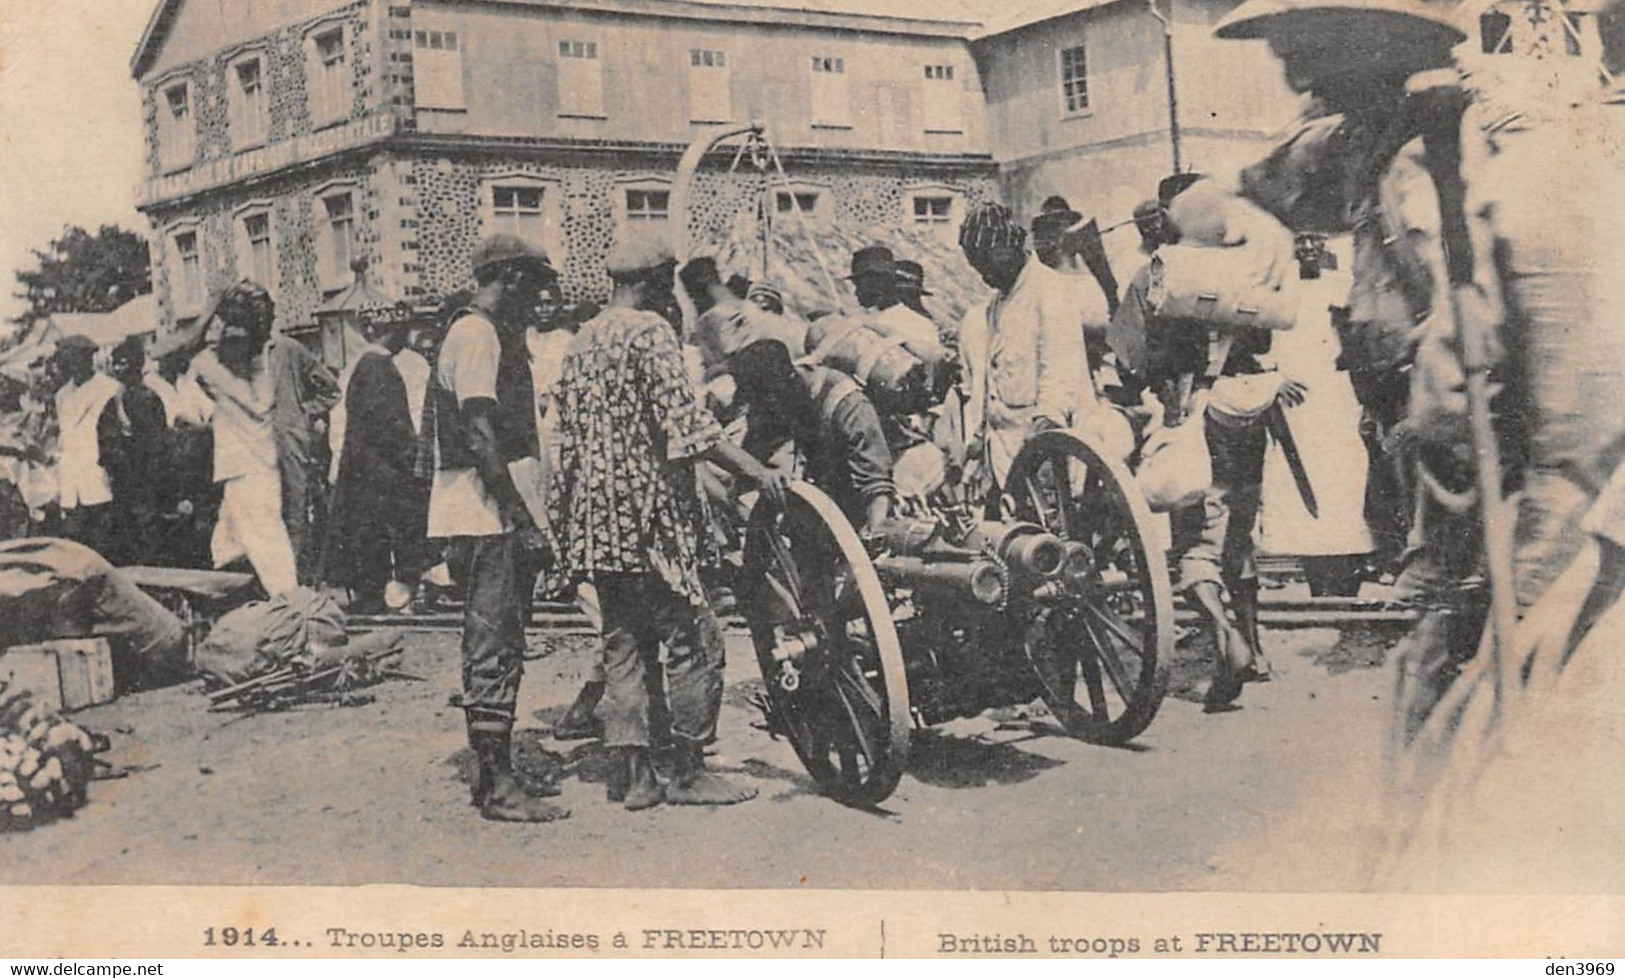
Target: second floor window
329, 81
437, 70
1074, 80
187, 291
246, 104
709, 95
648, 205
943, 99
177, 133
831, 99
581, 80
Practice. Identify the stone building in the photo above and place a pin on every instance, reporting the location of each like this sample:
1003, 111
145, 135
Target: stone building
287, 139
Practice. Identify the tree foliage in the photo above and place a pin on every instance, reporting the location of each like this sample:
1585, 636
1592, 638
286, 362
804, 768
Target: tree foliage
84, 272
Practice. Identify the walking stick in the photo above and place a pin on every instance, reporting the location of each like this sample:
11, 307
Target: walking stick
1443, 102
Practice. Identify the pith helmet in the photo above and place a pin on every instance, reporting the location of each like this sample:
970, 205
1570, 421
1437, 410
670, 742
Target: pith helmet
1436, 20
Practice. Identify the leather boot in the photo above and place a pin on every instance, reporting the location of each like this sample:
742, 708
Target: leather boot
1232, 658
579, 721
692, 784
498, 792
1244, 605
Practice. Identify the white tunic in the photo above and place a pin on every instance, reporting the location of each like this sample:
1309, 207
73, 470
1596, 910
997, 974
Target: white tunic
82, 481
1024, 360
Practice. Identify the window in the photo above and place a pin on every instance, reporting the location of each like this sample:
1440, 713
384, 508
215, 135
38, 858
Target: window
790, 203
831, 99
1074, 80
329, 79
177, 136
437, 70
526, 206
581, 80
709, 97
943, 99
648, 205
516, 210
933, 210
246, 106
186, 289
256, 250
336, 237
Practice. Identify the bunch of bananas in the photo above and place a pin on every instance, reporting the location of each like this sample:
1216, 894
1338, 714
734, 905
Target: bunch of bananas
45, 762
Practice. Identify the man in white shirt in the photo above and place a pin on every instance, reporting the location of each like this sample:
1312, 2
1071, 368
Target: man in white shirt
482, 409
236, 374
1025, 366
90, 431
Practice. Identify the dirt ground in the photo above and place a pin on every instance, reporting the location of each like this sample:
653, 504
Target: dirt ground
1278, 795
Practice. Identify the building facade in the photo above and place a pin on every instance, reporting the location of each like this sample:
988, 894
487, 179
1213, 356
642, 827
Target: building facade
398, 133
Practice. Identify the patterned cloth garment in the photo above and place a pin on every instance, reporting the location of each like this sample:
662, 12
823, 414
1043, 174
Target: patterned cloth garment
630, 425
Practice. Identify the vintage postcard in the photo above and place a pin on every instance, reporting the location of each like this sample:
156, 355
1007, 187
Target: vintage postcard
818, 478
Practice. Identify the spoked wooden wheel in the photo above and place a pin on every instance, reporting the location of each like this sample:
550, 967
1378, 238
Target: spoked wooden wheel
1114, 630
827, 646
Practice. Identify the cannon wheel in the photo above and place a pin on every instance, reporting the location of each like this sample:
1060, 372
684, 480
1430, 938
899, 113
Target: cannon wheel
1117, 631
808, 574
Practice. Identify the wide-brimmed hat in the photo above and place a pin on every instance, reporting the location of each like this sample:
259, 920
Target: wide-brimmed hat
1055, 215
1372, 20
911, 277
873, 260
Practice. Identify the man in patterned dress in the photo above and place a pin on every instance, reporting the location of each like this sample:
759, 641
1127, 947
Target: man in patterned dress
630, 518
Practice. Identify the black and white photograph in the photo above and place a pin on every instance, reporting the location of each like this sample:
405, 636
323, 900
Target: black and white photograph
1030, 446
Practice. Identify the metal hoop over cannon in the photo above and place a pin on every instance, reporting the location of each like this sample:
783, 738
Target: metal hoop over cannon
1064, 599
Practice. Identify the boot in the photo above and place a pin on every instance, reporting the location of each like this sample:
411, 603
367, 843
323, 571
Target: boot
1232, 657
579, 722
498, 792
632, 780
1244, 604
692, 784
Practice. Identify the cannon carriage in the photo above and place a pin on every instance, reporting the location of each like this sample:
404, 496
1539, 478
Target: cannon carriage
1064, 598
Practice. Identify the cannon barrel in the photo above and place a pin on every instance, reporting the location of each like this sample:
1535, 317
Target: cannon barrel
1026, 547
979, 580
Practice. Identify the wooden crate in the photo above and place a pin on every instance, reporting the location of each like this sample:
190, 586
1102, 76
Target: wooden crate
63, 675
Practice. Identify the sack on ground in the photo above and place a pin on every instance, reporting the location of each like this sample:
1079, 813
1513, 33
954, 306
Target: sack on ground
270, 634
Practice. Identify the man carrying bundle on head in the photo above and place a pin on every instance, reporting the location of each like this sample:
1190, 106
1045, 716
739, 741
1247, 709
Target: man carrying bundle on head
1483, 309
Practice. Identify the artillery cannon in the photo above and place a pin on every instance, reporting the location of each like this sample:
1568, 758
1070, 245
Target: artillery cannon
945, 613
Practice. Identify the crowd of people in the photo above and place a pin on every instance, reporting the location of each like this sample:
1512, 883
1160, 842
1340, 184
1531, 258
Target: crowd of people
509, 444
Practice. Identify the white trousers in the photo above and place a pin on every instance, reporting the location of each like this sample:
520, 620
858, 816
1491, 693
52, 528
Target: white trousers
251, 526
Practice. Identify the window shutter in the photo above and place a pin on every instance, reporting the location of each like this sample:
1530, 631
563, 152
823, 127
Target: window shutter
437, 70
831, 99
710, 98
943, 100
581, 79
